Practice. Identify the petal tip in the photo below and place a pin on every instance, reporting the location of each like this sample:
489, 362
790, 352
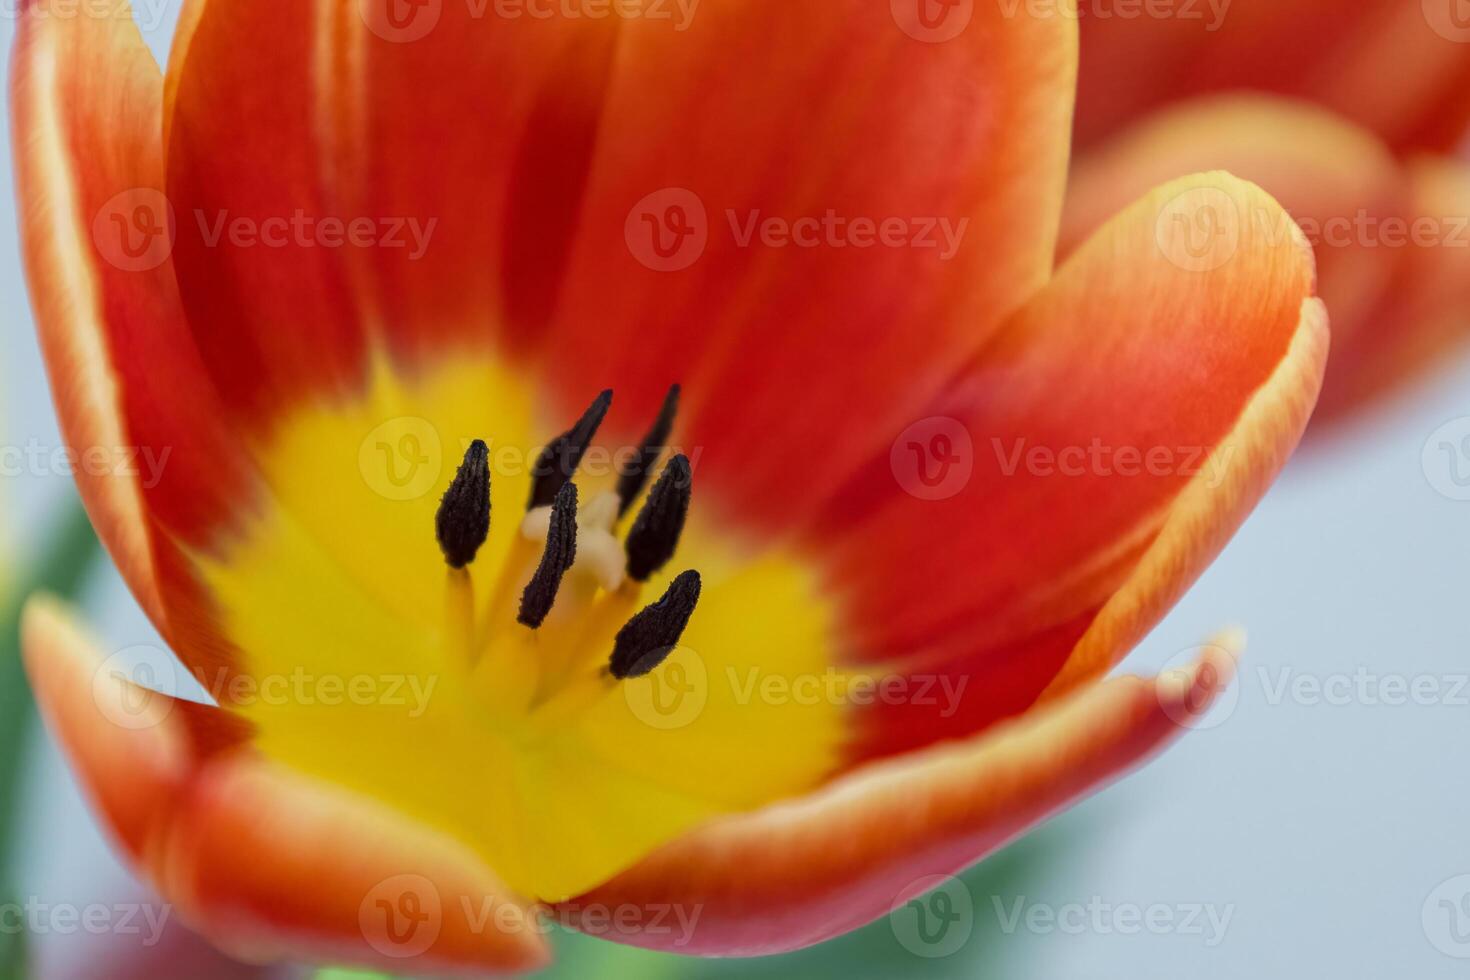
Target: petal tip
1187, 694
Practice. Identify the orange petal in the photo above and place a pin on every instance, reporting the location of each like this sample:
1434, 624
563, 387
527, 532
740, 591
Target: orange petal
1422, 314
791, 113
131, 395
802, 872
58, 249
1399, 68
1334, 178
531, 143
1123, 424
1205, 515
347, 116
267, 864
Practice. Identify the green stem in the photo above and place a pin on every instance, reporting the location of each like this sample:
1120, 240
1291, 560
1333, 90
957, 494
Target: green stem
66, 553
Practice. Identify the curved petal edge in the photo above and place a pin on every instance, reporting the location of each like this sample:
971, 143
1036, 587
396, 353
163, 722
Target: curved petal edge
802, 872
266, 863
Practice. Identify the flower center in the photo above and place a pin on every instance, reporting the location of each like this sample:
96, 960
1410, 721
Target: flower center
391, 660
557, 678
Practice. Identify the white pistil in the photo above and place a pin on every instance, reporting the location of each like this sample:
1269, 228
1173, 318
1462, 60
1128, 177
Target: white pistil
599, 554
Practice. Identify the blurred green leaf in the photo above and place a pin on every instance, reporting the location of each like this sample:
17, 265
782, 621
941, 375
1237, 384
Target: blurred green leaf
64, 556
580, 957
13, 955
334, 973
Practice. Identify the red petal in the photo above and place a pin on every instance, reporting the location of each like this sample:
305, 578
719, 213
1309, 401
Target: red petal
1099, 455
799, 873
127, 381
1422, 315
795, 359
429, 141
1398, 67
530, 141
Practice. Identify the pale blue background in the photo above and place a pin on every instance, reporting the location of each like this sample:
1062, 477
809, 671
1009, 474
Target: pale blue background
1325, 827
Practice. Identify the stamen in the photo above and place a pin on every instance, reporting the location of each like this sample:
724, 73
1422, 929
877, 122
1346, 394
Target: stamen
463, 521
656, 532
559, 460
648, 639
560, 554
459, 614
633, 477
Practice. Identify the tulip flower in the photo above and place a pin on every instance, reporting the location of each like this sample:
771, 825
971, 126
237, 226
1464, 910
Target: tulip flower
720, 525
1353, 117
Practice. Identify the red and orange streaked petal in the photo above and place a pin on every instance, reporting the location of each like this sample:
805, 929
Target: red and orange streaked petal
1422, 314
786, 349
330, 110
264, 862
775, 880
1192, 362
86, 96
539, 140
1398, 68
1336, 179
